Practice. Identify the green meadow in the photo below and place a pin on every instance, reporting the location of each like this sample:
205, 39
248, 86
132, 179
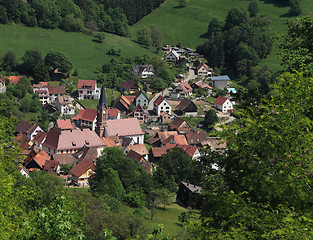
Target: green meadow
85, 54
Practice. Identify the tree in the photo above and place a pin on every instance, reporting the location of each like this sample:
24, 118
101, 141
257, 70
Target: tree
156, 35
57, 60
9, 61
295, 7
144, 36
214, 26
100, 37
253, 8
296, 48
182, 3
235, 17
177, 163
210, 118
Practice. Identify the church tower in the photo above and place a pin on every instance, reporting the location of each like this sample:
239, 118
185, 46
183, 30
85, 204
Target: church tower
102, 115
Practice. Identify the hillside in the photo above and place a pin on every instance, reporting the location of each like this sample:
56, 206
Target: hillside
85, 54
188, 24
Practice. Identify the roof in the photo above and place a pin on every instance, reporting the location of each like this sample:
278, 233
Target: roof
152, 140
44, 83
175, 53
184, 104
82, 167
113, 112
65, 158
87, 114
138, 107
216, 143
15, 79
139, 93
194, 137
177, 123
64, 99
41, 158
22, 126
51, 165
159, 100
165, 135
32, 128
203, 85
89, 153
193, 188
186, 87
123, 127
129, 85
179, 139
147, 166
123, 100
140, 68
130, 98
64, 124
202, 64
56, 89
112, 141
139, 148
134, 155
58, 139
190, 150
158, 151
220, 78
220, 100
86, 84
103, 100
40, 137
23, 140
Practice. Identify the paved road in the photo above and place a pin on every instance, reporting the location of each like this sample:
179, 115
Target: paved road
231, 118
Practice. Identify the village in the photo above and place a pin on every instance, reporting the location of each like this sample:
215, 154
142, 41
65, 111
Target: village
143, 129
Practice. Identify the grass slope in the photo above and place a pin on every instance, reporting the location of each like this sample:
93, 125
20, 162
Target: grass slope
85, 54
188, 25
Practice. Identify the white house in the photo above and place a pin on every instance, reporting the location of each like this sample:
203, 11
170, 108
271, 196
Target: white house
223, 104
183, 90
172, 56
220, 82
204, 70
143, 71
64, 105
87, 89
161, 105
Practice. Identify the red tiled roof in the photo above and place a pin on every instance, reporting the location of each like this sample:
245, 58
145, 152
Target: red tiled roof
177, 123
40, 136
51, 165
123, 100
152, 140
203, 85
179, 139
128, 85
139, 148
15, 79
163, 113
158, 151
82, 167
165, 135
86, 84
64, 159
23, 141
130, 98
64, 124
89, 115
113, 112
196, 137
22, 127
79, 115
44, 83
204, 65
56, 89
186, 87
134, 155
190, 150
220, 100
112, 141
159, 100
124, 127
138, 107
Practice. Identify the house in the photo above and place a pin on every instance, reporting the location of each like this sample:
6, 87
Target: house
130, 86
113, 113
223, 104
29, 129
216, 144
55, 92
220, 82
138, 148
64, 105
161, 105
204, 71
23, 170
39, 138
165, 117
112, 141
188, 195
141, 99
182, 90
49, 107
192, 151
178, 139
138, 113
172, 56
179, 125
124, 128
36, 160
71, 141
24, 143
43, 93
86, 118
144, 71
187, 108
122, 103
156, 153
15, 79
136, 156
197, 138
201, 85
87, 89
3, 88
82, 171
66, 158
64, 124
52, 166
160, 137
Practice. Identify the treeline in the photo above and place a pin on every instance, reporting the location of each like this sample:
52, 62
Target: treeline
77, 15
239, 44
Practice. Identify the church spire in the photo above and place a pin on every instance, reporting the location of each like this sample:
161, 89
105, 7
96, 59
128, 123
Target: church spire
103, 100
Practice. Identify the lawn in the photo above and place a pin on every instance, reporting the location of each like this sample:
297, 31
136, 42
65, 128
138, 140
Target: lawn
167, 217
188, 25
85, 54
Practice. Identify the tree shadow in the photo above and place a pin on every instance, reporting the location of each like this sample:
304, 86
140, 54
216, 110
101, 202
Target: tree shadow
287, 15
97, 41
277, 3
141, 45
205, 35
179, 7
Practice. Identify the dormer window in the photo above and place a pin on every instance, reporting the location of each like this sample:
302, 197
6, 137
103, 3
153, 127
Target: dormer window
87, 142
73, 143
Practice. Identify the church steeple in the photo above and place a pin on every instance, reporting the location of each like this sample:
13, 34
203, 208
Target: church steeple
102, 114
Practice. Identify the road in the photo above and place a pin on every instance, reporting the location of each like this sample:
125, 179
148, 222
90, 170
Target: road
230, 119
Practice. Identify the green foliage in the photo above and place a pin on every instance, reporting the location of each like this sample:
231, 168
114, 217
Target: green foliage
253, 8
57, 60
182, 3
210, 118
144, 36
99, 37
9, 62
295, 7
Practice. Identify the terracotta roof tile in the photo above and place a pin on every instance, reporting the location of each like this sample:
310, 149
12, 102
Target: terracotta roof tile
177, 123
124, 127
220, 100
51, 166
82, 167
56, 89
128, 85
64, 124
186, 87
65, 159
159, 100
40, 137
112, 141
113, 112
139, 148
15, 79
86, 84
22, 127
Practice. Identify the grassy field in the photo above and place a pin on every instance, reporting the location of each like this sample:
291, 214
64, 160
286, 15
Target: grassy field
93, 103
85, 54
167, 217
189, 24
